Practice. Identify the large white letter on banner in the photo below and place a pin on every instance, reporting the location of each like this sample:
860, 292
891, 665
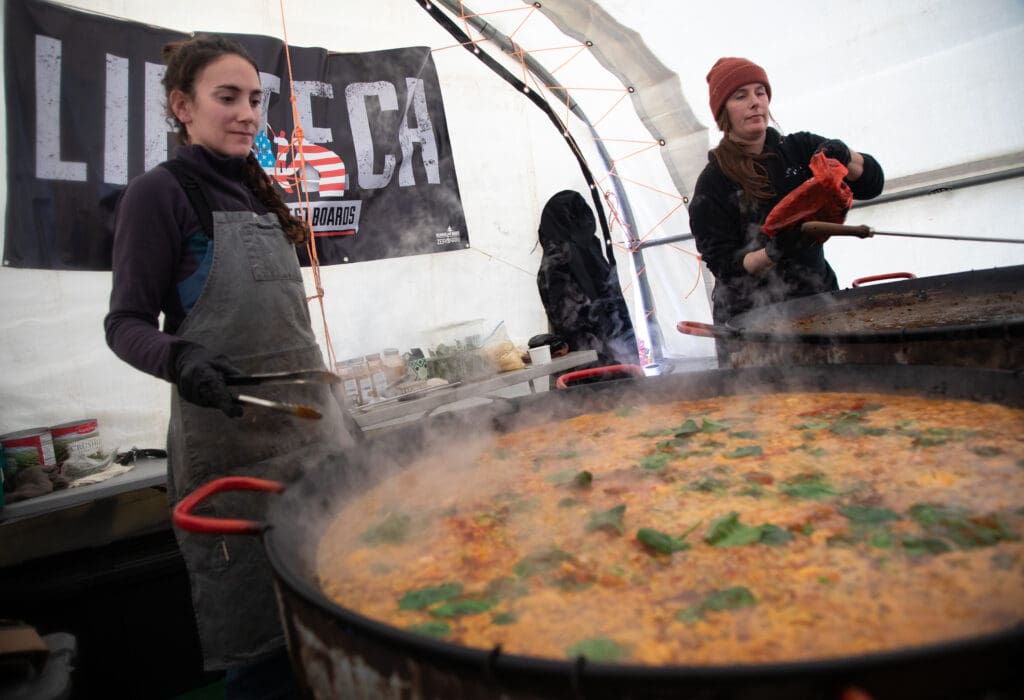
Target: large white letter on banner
157, 123
271, 84
49, 166
305, 89
422, 134
115, 122
356, 95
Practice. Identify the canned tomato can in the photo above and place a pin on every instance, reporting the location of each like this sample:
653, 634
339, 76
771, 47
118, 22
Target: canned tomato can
27, 448
80, 437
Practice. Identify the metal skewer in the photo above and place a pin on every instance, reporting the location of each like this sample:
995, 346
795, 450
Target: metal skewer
824, 228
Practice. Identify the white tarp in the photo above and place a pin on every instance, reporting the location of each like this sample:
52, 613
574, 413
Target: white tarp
932, 89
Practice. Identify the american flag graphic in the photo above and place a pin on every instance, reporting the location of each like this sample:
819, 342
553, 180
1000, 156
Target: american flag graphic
328, 166
264, 153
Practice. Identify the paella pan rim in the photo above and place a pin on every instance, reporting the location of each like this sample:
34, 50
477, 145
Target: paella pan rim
498, 664
979, 331
1001, 386
976, 283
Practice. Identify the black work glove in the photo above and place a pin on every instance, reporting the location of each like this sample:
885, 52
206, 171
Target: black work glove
834, 148
199, 375
787, 242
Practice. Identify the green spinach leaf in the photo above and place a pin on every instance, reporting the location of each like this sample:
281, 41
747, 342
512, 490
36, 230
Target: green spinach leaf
660, 541
392, 528
746, 451
867, 515
598, 649
435, 628
425, 597
458, 608
609, 520
807, 485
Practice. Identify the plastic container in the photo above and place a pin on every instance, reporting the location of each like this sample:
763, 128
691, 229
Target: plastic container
363, 381
375, 366
80, 437
455, 337
456, 353
416, 365
28, 448
349, 374
394, 365
540, 355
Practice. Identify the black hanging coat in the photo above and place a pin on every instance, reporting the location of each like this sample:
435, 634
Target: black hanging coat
579, 287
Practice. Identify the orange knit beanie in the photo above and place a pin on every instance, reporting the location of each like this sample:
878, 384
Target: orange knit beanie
729, 74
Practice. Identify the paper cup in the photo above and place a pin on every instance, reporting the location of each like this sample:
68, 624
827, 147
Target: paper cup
541, 355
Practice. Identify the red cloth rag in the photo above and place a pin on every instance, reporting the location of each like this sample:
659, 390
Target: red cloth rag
824, 197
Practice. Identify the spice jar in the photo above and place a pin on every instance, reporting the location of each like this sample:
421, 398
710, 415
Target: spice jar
348, 372
379, 380
362, 376
416, 364
394, 366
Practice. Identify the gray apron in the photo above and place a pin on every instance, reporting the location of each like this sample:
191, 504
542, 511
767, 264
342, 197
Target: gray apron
253, 310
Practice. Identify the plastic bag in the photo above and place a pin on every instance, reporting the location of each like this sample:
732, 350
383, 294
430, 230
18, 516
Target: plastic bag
824, 197
501, 351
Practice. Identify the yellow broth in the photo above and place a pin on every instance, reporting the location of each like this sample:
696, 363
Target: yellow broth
750, 529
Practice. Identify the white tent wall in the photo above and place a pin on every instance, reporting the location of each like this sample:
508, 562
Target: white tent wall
924, 86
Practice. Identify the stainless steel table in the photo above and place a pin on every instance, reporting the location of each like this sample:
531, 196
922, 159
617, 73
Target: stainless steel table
373, 415
152, 472
147, 472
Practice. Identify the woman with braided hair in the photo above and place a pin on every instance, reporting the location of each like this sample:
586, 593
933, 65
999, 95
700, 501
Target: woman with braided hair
205, 240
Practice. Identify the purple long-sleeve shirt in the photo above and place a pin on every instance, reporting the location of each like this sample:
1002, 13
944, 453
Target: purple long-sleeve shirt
162, 256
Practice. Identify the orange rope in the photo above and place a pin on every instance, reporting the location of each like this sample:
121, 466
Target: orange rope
625, 94
627, 156
471, 42
611, 140
302, 191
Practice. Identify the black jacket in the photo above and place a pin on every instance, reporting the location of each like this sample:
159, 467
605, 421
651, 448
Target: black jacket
725, 228
579, 288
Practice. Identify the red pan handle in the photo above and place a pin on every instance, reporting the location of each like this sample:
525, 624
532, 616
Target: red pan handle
579, 374
704, 330
183, 518
885, 276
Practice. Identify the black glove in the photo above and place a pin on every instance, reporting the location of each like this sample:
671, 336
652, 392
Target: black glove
834, 148
199, 375
787, 242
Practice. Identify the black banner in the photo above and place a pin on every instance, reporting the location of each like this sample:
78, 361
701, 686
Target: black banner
85, 114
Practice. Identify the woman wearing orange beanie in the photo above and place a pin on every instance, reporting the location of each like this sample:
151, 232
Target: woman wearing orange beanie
751, 169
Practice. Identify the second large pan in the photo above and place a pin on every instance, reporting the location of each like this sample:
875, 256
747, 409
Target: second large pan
966, 319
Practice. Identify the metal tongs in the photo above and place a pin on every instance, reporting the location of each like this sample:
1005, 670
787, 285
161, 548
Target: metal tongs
308, 376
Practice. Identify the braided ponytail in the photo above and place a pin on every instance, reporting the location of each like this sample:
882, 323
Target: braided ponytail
257, 180
184, 60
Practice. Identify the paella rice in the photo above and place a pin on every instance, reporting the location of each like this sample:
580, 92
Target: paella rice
778, 527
